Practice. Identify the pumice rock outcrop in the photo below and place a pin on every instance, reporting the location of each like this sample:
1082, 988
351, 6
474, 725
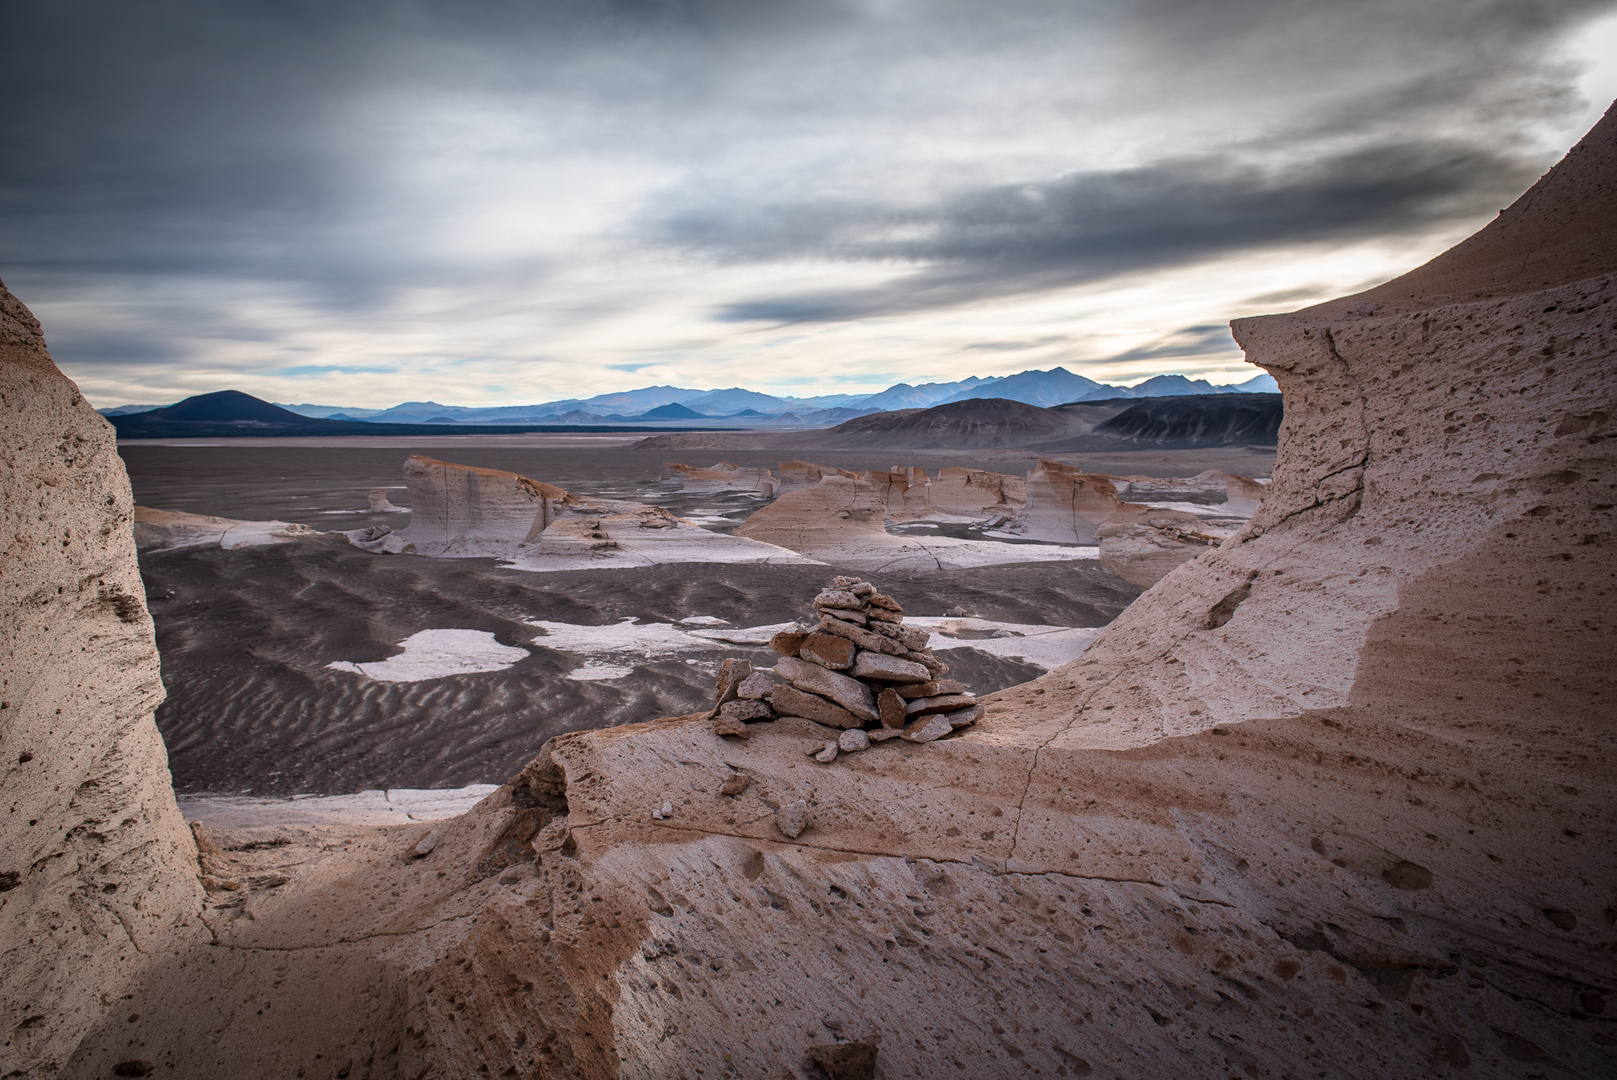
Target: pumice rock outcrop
1334, 799
1143, 554
97, 868
462, 509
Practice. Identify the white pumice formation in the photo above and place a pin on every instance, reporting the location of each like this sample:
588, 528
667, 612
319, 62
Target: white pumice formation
856, 667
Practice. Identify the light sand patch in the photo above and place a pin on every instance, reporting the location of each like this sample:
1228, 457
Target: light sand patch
433, 654
395, 806
630, 637
597, 672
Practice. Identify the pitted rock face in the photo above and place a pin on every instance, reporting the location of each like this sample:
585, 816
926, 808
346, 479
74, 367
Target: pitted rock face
97, 868
457, 509
1332, 798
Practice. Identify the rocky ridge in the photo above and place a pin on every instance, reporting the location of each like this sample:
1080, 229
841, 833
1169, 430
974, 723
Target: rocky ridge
857, 667
1332, 801
98, 875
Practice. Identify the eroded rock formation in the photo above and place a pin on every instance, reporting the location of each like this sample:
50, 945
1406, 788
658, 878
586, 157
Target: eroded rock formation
462, 509
974, 492
1143, 554
97, 868
1334, 799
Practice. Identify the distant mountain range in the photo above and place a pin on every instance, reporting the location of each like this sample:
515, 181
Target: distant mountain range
1169, 421
664, 404
233, 414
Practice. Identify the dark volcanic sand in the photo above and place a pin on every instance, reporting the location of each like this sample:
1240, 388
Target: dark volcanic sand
246, 635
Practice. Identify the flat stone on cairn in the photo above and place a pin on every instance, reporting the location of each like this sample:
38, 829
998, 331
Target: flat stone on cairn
859, 668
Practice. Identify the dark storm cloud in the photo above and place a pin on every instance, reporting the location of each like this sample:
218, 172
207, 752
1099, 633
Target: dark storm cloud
1029, 237
294, 143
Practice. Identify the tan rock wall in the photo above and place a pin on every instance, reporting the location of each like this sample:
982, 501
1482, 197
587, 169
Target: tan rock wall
97, 868
455, 508
974, 491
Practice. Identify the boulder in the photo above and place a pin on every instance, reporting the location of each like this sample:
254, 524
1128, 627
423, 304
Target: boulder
884, 668
827, 650
787, 642
790, 701
1065, 505
946, 703
893, 710
851, 694
377, 502
757, 685
865, 639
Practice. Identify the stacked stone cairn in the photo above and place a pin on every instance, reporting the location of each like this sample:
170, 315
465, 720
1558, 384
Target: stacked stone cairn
857, 667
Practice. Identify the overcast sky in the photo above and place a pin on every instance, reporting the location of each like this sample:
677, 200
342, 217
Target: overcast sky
496, 202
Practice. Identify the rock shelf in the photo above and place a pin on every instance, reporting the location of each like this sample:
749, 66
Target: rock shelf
855, 667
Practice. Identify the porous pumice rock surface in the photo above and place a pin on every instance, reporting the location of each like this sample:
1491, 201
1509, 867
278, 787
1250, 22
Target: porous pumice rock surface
98, 873
462, 511
842, 520
458, 509
157, 530
1142, 553
1332, 799
853, 666
722, 476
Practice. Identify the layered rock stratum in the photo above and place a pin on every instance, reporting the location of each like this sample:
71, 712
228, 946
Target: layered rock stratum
1331, 800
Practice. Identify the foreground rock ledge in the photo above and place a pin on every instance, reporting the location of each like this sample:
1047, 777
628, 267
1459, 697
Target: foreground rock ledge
1332, 800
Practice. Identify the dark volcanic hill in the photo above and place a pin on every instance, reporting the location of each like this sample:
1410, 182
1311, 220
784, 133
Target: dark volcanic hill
975, 424
1203, 420
1200, 420
227, 414
672, 411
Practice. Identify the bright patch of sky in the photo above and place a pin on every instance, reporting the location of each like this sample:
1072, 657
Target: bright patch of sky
487, 204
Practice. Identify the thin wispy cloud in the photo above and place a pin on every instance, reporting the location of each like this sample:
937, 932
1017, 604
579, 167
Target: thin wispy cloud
370, 201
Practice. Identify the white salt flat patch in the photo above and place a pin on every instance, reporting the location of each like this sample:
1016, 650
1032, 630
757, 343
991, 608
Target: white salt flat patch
1041, 645
627, 638
433, 654
395, 806
597, 672
702, 620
